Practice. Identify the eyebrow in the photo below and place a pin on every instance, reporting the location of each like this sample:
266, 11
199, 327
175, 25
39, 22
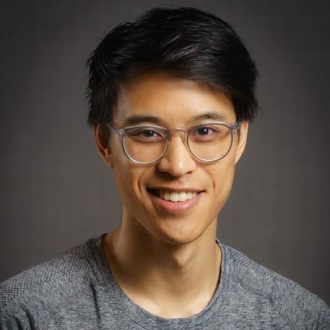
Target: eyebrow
209, 115
138, 119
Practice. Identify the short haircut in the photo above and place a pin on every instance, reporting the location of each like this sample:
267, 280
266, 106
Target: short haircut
185, 42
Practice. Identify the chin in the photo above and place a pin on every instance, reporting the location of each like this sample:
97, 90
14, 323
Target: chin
184, 234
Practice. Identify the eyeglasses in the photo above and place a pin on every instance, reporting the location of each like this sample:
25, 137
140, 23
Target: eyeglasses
147, 144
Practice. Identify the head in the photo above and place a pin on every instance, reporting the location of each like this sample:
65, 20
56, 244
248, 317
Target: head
185, 42
174, 68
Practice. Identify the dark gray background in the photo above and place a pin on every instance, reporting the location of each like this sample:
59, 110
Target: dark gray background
55, 190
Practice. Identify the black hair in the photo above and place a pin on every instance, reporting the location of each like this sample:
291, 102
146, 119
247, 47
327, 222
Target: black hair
185, 42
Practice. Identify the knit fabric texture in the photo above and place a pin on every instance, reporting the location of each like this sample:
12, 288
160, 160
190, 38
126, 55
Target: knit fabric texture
76, 290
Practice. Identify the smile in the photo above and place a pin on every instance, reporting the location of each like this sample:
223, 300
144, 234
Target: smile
174, 202
174, 196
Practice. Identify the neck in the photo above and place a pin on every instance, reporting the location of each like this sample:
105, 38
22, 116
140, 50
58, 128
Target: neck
169, 280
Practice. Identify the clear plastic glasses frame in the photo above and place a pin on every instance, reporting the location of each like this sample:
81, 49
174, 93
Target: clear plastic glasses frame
166, 135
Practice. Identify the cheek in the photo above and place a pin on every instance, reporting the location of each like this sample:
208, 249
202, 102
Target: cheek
223, 177
126, 187
128, 179
125, 176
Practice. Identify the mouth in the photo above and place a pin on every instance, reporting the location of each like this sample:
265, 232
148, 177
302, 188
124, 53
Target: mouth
174, 196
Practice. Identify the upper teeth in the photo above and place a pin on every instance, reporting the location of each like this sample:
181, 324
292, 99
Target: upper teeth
175, 196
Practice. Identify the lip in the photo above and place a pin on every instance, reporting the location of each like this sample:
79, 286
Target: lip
174, 208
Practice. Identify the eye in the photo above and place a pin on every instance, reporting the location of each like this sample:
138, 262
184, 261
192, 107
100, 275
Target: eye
145, 134
207, 133
202, 131
148, 133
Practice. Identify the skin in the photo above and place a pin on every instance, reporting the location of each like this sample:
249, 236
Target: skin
160, 253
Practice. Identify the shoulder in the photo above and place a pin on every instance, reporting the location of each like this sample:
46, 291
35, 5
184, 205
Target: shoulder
39, 291
300, 308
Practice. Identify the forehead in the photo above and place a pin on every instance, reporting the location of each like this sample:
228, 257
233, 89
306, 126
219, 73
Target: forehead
168, 100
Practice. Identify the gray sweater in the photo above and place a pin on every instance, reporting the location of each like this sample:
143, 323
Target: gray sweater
76, 290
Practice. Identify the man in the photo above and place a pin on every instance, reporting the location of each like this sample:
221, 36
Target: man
171, 97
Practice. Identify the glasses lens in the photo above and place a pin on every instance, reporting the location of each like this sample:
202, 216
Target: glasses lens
144, 144
210, 142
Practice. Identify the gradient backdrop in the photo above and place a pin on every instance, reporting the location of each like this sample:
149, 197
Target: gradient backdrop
55, 192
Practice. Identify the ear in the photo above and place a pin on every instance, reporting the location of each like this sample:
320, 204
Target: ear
242, 139
103, 145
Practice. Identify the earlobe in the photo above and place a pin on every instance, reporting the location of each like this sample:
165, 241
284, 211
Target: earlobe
108, 156
102, 145
242, 139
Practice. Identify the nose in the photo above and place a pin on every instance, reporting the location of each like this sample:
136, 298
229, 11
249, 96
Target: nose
177, 160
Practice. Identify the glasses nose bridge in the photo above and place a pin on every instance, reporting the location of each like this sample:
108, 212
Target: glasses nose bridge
184, 137
179, 130
172, 131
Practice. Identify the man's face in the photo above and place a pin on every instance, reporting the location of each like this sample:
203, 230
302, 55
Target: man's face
170, 102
